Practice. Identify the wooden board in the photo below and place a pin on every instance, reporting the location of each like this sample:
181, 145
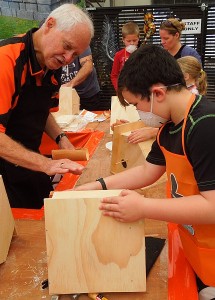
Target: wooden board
6, 223
81, 194
118, 112
90, 253
127, 155
69, 101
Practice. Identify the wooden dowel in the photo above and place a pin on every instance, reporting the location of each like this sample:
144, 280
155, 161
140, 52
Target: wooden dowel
76, 155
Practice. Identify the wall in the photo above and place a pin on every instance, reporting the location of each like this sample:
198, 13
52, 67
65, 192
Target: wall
29, 9
39, 9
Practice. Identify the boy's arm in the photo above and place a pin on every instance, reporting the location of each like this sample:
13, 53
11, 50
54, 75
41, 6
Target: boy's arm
131, 206
133, 178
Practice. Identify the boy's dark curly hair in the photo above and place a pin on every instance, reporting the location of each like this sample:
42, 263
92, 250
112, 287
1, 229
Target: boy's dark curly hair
149, 65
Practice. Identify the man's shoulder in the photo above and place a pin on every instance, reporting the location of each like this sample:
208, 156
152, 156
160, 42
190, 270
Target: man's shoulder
87, 52
13, 41
10, 51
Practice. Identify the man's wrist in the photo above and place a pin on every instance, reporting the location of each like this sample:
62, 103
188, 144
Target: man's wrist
103, 184
59, 137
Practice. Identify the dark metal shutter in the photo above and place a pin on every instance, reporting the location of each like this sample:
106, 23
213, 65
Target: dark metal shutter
209, 54
204, 43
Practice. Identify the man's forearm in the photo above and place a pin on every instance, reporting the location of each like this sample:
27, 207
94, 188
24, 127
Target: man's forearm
82, 74
19, 155
52, 128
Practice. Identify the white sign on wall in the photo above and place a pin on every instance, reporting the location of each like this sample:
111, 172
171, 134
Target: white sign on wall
192, 26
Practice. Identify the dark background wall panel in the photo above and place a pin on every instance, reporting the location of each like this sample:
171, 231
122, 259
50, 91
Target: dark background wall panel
108, 38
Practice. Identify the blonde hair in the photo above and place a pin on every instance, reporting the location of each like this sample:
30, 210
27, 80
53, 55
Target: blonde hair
130, 28
69, 15
173, 25
191, 66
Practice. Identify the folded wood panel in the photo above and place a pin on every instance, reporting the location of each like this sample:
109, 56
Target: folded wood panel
7, 225
127, 155
88, 252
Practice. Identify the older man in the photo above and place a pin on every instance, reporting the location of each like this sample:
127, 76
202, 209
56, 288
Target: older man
29, 84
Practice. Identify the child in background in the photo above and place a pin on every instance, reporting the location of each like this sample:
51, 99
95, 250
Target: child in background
130, 37
195, 77
196, 81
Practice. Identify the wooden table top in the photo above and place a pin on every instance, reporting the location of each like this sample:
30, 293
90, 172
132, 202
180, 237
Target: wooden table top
26, 266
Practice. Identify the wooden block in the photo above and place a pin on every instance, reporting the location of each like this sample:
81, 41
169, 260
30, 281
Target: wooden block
7, 225
75, 155
69, 194
90, 253
126, 155
118, 112
69, 101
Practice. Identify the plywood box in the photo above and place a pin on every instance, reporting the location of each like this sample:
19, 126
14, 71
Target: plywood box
88, 252
69, 101
126, 155
7, 225
118, 112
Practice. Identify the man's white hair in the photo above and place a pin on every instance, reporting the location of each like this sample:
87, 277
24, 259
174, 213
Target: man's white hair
69, 15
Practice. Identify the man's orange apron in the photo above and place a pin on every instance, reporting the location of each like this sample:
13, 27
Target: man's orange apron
198, 240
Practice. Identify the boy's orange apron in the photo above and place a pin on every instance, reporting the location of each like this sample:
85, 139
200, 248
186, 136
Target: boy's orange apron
198, 240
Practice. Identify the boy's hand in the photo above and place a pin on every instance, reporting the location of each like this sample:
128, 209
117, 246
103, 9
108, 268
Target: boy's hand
142, 135
127, 207
118, 122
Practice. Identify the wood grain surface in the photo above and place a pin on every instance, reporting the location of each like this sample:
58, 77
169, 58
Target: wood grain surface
25, 269
88, 252
7, 225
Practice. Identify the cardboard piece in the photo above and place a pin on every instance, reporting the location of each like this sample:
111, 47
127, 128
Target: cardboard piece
126, 155
118, 112
88, 252
69, 101
7, 224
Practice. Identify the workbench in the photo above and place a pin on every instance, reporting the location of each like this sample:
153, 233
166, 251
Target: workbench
25, 269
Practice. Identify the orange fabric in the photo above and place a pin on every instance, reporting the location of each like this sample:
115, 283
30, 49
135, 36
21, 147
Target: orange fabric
78, 139
69, 180
201, 258
88, 139
25, 213
181, 279
198, 240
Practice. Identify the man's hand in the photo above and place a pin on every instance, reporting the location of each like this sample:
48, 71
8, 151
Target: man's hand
62, 166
